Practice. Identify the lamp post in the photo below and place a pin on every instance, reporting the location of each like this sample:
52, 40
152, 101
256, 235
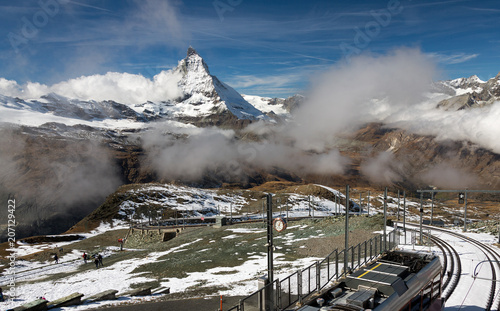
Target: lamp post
421, 214
270, 238
399, 203
368, 204
404, 214
346, 244
385, 218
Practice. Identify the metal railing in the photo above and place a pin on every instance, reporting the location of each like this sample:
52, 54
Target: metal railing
296, 287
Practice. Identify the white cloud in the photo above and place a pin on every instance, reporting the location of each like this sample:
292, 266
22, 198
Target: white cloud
368, 89
445, 175
451, 59
120, 87
244, 81
478, 125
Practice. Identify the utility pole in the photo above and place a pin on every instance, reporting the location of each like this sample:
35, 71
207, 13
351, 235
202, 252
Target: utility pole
263, 209
465, 212
287, 209
404, 214
346, 244
309, 198
360, 204
368, 210
398, 204
270, 238
421, 214
231, 208
385, 218
432, 207
312, 206
336, 206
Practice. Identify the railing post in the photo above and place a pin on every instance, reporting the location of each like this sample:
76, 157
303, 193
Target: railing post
336, 265
318, 276
299, 285
328, 267
277, 303
366, 254
371, 248
352, 257
359, 255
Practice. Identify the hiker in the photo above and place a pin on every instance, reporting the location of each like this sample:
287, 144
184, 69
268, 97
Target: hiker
99, 257
84, 257
2, 299
96, 261
56, 259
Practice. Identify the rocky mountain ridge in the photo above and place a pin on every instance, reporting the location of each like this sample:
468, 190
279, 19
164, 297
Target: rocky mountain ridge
470, 92
204, 97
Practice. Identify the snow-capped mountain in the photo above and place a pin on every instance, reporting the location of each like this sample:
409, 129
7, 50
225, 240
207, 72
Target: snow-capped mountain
203, 96
278, 106
469, 92
72, 108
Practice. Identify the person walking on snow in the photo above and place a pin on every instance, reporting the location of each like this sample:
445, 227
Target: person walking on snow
84, 257
99, 257
96, 261
56, 259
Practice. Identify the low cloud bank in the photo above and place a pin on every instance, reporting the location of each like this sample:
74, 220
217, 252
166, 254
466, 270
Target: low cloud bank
368, 89
53, 179
124, 88
189, 154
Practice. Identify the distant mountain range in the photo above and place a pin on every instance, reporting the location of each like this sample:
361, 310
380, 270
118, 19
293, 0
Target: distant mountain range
469, 92
203, 96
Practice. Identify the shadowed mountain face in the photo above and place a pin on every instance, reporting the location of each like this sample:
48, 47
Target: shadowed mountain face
57, 180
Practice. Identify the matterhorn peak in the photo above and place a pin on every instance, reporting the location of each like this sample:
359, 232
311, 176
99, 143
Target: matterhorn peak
194, 63
205, 92
191, 51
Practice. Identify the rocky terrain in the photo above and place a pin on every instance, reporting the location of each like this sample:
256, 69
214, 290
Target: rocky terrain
470, 93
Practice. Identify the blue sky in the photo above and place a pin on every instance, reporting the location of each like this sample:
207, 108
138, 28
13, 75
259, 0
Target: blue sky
268, 48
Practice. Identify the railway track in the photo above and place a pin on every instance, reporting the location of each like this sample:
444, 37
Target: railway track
455, 266
452, 266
